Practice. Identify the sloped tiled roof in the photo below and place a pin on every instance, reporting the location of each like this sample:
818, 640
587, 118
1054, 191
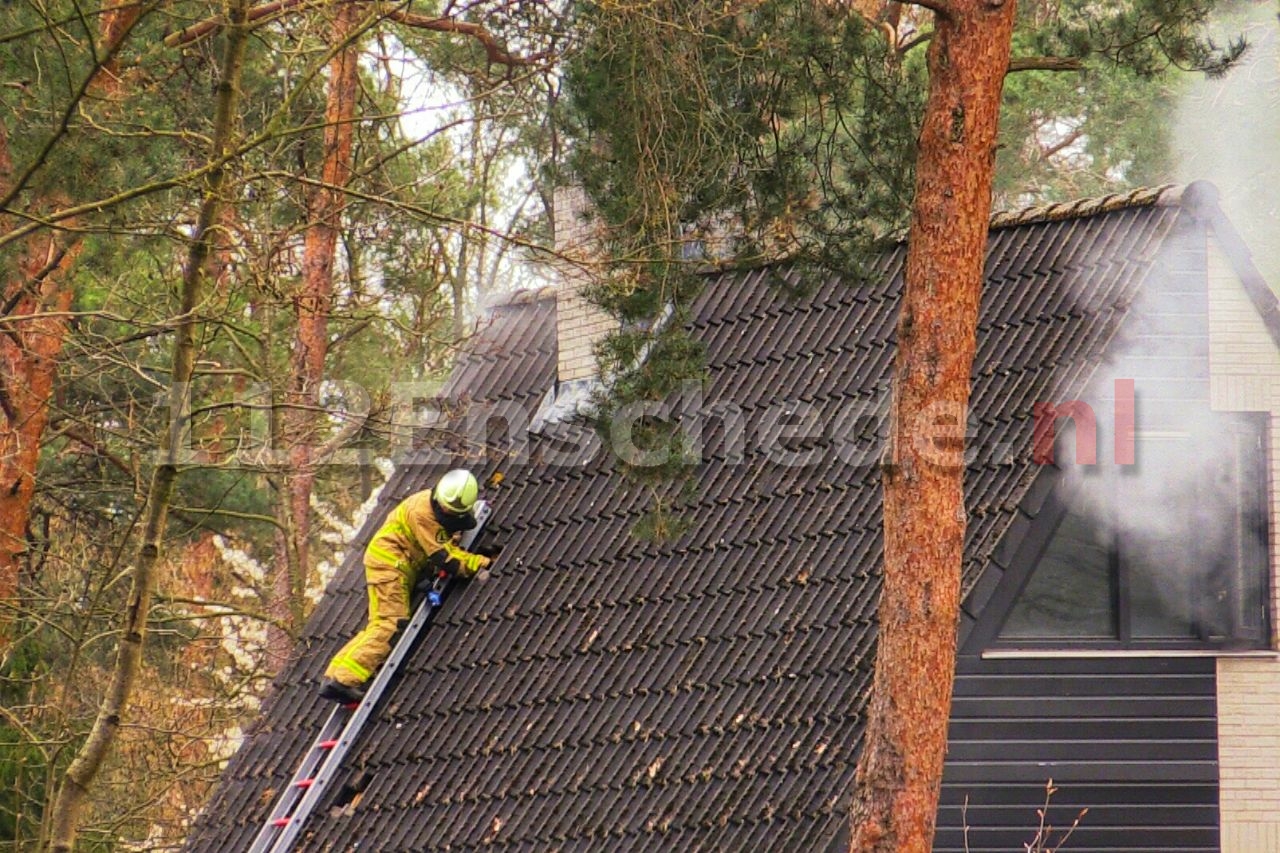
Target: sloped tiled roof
601, 692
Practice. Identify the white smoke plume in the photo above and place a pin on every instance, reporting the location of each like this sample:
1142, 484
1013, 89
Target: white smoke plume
1186, 514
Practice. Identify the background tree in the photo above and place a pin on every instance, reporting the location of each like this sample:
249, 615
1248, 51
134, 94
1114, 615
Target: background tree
33, 279
313, 305
895, 801
74, 789
900, 770
360, 232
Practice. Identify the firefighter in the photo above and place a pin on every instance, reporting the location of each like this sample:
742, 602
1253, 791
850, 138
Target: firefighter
421, 531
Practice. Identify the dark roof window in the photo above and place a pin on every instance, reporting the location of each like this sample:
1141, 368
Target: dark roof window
1170, 552
1071, 594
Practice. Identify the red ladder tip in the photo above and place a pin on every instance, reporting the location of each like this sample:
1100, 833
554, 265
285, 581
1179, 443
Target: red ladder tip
327, 744
280, 821
304, 783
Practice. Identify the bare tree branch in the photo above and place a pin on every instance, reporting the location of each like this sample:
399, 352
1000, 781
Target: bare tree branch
1068, 140
31, 285
82, 438
915, 41
195, 32
1045, 63
495, 52
120, 24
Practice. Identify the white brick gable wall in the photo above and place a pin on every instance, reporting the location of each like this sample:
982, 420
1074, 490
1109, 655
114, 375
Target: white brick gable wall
1244, 371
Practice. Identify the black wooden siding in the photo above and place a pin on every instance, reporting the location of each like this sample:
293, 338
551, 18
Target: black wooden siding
1133, 739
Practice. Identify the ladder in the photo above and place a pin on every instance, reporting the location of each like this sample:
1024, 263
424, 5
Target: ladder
323, 759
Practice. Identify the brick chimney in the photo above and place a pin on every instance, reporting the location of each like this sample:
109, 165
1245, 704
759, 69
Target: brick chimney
580, 324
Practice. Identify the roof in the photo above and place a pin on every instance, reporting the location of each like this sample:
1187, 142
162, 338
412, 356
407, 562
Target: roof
602, 692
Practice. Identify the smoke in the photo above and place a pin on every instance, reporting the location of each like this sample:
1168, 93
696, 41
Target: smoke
1180, 521
1185, 517
1209, 506
1226, 130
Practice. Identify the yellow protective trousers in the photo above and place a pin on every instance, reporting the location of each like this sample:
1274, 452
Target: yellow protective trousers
390, 588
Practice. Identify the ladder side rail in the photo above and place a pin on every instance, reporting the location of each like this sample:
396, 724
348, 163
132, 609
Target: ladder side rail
351, 731
333, 761
292, 793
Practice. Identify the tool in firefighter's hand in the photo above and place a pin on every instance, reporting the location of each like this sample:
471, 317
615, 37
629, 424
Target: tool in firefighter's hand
489, 549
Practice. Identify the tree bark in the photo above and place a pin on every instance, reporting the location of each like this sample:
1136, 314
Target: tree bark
74, 789
904, 747
33, 314
30, 343
313, 307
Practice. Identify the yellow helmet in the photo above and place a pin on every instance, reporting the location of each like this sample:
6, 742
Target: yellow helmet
457, 492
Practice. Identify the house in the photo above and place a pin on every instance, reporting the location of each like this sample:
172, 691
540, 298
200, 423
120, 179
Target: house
603, 692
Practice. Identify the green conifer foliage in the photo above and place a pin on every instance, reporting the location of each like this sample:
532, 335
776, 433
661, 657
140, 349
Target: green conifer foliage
712, 134
709, 134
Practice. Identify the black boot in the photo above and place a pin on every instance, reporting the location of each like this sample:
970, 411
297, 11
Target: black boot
338, 692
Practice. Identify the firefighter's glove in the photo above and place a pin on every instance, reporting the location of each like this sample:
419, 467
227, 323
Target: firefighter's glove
469, 564
463, 564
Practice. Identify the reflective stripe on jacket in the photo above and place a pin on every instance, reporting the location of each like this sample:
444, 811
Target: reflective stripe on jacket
411, 536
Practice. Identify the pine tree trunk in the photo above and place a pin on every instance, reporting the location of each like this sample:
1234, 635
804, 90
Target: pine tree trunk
29, 350
900, 772
34, 305
314, 304
74, 789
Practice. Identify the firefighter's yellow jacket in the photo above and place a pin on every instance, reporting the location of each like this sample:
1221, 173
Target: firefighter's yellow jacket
412, 538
